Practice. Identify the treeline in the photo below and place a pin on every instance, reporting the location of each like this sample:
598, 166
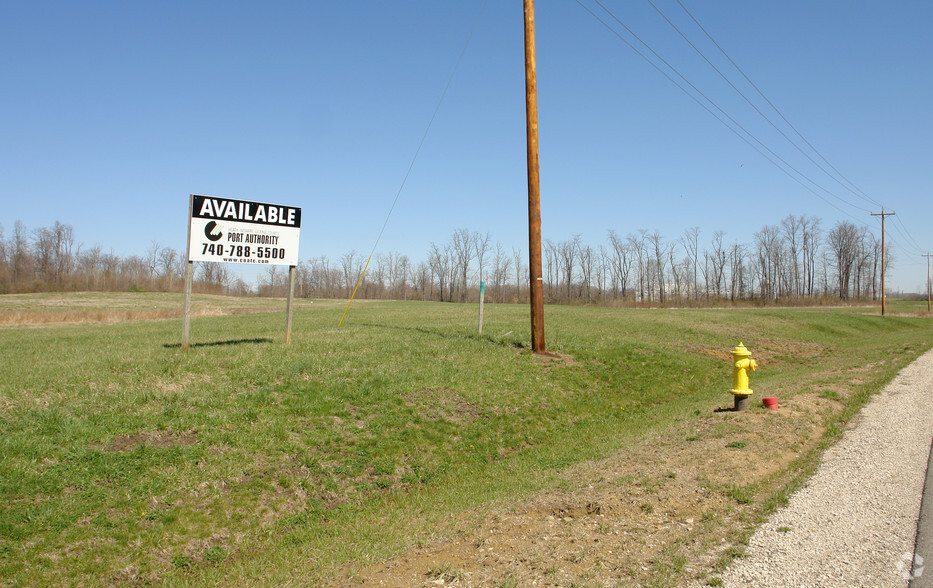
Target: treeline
49, 259
796, 260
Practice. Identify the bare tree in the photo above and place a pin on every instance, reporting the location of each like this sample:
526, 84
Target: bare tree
567, 254
53, 253
375, 285
810, 236
587, 263
637, 245
691, 242
400, 276
462, 243
863, 271
717, 262
168, 261
659, 262
603, 272
501, 264
792, 227
21, 260
350, 277
325, 280
440, 264
110, 265
843, 242
736, 272
520, 270
302, 280
5, 269
239, 287
152, 261
550, 267
678, 270
89, 264
135, 268
214, 276
44, 255
270, 285
622, 260
481, 245
768, 244
421, 280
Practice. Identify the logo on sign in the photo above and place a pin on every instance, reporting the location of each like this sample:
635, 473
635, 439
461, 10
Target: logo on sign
212, 231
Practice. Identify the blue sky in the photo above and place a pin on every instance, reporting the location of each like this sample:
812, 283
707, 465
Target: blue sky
114, 112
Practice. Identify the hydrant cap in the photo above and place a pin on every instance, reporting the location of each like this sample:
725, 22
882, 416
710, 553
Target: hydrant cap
741, 350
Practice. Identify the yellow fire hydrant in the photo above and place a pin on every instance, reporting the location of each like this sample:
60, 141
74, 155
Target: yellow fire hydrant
742, 363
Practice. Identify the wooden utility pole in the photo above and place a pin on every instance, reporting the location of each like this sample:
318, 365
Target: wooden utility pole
882, 214
928, 281
536, 292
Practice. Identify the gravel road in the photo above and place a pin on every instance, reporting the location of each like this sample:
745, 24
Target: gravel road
854, 523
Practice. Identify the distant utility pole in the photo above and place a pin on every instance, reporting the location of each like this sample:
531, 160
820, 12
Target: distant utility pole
882, 214
928, 281
536, 292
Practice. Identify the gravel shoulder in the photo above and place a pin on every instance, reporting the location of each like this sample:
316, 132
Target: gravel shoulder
854, 524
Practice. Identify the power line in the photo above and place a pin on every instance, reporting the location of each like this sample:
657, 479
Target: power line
414, 158
854, 189
851, 187
748, 137
749, 102
718, 108
904, 233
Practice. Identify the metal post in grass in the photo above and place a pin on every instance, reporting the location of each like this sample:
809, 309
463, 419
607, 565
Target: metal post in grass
482, 296
288, 305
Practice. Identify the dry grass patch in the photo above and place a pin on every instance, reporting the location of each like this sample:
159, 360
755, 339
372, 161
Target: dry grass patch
442, 404
154, 439
35, 310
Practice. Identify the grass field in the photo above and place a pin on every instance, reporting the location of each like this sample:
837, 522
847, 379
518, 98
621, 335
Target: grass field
124, 460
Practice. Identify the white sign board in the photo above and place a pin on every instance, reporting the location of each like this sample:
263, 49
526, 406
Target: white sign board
239, 231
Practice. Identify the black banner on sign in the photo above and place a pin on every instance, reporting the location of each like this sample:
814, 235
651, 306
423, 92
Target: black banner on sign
244, 211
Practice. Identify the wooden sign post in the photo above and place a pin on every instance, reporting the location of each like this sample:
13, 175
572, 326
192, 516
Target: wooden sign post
224, 230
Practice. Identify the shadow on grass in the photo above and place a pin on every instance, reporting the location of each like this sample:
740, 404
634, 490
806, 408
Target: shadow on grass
220, 343
446, 334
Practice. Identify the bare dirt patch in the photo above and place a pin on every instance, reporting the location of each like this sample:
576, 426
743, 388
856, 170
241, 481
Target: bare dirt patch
770, 352
666, 509
442, 404
549, 358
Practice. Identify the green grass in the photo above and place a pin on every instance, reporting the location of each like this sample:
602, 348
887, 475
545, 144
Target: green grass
905, 306
248, 461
